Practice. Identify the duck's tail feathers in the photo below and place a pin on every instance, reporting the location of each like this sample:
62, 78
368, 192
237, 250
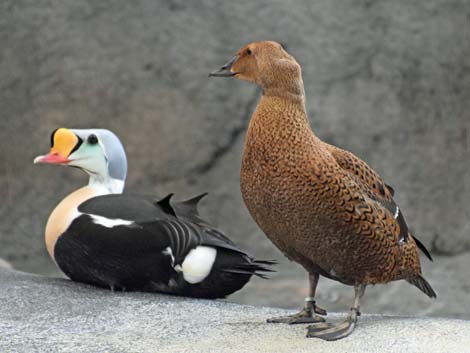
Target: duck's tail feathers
254, 267
423, 286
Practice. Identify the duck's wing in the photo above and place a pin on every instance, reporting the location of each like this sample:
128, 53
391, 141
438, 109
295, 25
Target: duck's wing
139, 222
380, 232
182, 233
188, 210
363, 173
136, 208
375, 188
136, 229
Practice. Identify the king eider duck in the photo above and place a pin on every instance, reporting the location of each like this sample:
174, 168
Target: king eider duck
322, 206
99, 236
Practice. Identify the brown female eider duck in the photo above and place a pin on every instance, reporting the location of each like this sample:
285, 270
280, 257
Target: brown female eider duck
99, 236
322, 206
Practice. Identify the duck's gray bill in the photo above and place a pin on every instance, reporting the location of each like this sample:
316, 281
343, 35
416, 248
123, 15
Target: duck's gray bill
224, 71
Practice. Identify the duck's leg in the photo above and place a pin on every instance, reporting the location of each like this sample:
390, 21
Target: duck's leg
330, 332
307, 314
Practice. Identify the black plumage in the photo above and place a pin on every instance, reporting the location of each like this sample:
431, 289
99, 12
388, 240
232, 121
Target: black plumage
134, 255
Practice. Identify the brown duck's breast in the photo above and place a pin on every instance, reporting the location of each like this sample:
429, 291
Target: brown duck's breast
298, 195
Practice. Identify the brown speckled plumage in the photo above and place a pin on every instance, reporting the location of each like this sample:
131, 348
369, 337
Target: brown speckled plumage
309, 200
320, 205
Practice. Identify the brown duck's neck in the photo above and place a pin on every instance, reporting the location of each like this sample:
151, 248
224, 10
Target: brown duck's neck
281, 112
292, 95
295, 94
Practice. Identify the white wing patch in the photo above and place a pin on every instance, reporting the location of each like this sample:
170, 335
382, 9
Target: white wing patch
397, 212
109, 222
198, 264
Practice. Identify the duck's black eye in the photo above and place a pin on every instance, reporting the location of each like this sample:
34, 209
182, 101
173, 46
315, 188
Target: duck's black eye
92, 139
249, 52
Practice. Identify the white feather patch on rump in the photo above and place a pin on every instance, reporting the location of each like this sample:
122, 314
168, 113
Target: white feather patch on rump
198, 264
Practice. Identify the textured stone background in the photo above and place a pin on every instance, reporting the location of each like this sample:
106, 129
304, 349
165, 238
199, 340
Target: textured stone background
388, 80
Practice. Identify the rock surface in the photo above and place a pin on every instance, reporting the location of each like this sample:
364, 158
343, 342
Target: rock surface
4, 264
388, 80
55, 315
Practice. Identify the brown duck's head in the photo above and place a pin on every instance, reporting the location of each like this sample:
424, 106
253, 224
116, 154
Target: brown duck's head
266, 64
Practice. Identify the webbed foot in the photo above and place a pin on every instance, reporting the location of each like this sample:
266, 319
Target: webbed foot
306, 316
330, 332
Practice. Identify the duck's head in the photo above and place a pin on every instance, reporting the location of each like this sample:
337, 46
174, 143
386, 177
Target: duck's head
266, 64
98, 152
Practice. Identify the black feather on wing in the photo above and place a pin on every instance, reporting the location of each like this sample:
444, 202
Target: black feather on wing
189, 209
392, 207
423, 248
390, 189
179, 222
136, 242
135, 208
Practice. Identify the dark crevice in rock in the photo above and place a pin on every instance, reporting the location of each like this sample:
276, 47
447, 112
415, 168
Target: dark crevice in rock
363, 69
222, 150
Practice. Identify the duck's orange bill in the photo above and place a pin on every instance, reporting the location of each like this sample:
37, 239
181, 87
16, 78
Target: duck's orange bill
63, 142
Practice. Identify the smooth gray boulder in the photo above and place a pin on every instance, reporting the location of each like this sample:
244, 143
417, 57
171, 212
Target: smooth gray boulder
389, 80
39, 314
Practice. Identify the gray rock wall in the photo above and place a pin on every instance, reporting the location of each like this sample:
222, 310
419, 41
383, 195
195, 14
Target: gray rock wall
388, 80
